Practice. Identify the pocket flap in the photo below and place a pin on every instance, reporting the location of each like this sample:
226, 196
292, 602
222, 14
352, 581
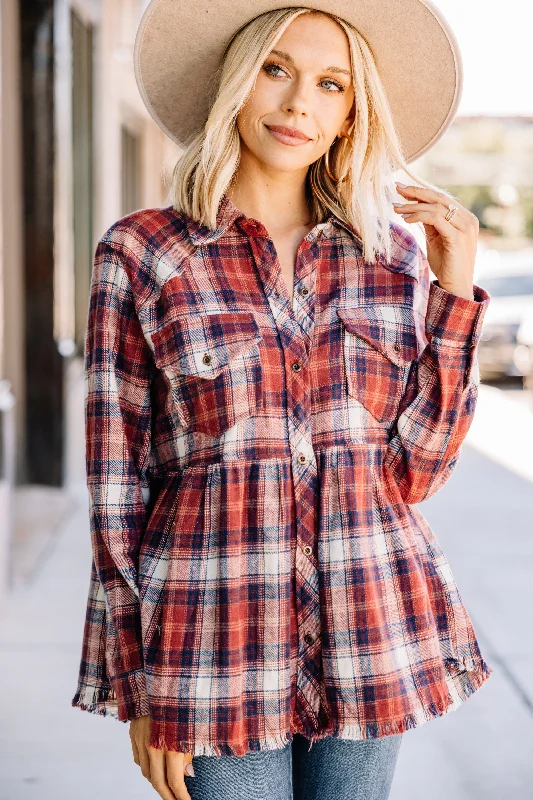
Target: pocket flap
203, 344
388, 328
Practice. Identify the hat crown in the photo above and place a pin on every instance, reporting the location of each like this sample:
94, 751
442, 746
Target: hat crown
180, 45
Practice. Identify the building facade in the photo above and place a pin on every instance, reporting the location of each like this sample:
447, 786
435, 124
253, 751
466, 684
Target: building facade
78, 150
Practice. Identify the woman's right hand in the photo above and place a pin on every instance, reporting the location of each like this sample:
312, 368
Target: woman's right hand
163, 768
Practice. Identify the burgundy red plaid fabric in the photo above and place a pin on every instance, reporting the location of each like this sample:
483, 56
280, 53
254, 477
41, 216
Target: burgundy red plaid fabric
260, 566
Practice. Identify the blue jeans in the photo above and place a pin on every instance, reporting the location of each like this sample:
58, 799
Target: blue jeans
334, 769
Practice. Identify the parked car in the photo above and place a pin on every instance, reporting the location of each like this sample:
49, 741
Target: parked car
502, 349
524, 355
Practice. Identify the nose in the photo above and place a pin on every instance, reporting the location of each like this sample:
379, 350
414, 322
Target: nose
295, 101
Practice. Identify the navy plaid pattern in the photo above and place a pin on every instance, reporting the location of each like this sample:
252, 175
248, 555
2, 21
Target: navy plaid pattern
260, 566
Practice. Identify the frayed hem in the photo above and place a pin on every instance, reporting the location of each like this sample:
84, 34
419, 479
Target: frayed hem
463, 678
102, 701
373, 730
160, 742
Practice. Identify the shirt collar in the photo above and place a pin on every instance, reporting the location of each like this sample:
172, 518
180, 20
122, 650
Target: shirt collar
228, 213
405, 260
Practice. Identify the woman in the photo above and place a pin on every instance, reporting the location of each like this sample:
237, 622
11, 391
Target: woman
273, 383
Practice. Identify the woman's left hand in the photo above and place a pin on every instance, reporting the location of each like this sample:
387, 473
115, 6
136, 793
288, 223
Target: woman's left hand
451, 244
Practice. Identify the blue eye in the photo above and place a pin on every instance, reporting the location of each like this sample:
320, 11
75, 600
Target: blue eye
267, 67
273, 66
339, 86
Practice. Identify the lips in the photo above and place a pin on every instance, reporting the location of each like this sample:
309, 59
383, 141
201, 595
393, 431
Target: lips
294, 133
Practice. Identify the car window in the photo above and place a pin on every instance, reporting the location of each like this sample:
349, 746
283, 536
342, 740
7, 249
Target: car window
508, 285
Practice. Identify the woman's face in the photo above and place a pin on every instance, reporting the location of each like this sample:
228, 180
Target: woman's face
304, 83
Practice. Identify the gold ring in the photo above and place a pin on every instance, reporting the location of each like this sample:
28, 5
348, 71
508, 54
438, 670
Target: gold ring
451, 211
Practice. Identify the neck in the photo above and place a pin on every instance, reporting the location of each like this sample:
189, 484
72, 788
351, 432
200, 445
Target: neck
280, 204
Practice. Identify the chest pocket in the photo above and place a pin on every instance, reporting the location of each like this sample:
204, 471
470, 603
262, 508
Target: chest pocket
213, 364
380, 344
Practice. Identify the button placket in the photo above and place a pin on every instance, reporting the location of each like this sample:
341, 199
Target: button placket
307, 584
295, 323
304, 452
304, 297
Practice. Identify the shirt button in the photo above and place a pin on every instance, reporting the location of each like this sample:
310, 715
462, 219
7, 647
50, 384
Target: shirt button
297, 365
396, 347
309, 638
307, 550
304, 290
207, 358
302, 458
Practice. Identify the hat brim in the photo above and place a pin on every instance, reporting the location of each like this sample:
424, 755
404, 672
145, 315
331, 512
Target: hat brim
179, 47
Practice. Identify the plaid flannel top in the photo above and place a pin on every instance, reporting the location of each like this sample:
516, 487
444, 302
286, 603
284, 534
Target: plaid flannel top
253, 467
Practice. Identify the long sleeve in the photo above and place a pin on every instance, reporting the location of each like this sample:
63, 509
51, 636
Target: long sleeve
94, 692
118, 370
439, 402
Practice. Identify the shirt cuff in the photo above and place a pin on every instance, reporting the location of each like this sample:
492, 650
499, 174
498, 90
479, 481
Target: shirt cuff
453, 320
97, 699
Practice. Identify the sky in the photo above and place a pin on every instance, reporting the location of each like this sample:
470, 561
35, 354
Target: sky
496, 42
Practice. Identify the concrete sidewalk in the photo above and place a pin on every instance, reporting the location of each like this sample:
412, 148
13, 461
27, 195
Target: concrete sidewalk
482, 751
50, 750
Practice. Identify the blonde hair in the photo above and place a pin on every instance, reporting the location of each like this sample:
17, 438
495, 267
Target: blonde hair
364, 192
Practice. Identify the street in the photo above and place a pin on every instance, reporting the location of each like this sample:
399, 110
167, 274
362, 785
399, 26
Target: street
483, 751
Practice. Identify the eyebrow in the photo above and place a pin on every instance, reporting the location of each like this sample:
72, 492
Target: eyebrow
290, 59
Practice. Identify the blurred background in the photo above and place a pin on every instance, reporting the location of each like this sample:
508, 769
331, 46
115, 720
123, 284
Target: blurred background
78, 151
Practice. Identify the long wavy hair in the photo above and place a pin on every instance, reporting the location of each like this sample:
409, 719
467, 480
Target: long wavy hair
363, 194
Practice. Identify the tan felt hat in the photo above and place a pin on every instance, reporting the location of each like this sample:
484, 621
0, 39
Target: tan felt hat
179, 47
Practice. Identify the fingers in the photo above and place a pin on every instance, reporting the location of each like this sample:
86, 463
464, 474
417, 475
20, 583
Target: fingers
140, 737
445, 228
175, 767
164, 769
135, 750
428, 212
144, 759
463, 219
165, 785
427, 195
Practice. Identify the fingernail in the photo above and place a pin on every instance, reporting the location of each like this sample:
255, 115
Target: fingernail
189, 770
403, 185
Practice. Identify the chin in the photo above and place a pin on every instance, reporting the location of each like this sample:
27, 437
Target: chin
274, 160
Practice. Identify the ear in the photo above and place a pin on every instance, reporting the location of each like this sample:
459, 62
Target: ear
348, 121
